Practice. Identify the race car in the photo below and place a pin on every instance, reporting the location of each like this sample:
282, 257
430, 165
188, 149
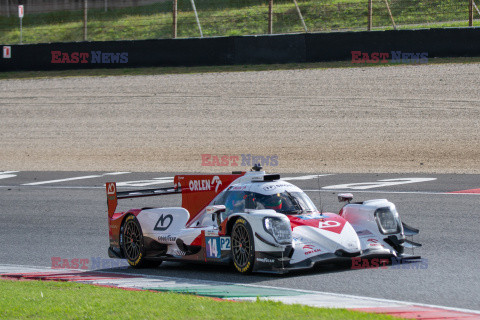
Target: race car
255, 221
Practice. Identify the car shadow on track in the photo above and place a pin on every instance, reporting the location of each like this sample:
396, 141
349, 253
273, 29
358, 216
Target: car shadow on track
223, 273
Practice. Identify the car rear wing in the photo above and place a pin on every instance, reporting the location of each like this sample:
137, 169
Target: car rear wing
113, 195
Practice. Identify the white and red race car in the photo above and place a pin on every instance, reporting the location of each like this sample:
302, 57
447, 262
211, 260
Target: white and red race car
255, 220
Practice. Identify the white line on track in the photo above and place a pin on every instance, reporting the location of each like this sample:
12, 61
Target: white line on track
74, 178
306, 190
309, 177
56, 187
7, 174
393, 192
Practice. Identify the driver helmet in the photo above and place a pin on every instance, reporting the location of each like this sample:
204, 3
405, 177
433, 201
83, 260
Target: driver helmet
273, 202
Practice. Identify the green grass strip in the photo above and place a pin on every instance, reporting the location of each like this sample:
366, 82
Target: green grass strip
229, 18
59, 300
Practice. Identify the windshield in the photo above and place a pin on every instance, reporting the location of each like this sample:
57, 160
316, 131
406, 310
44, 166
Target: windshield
284, 202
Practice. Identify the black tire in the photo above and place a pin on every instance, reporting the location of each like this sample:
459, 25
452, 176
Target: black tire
132, 244
243, 246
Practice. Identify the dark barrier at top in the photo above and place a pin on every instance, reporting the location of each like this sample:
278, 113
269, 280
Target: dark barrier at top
120, 54
453, 42
269, 49
309, 47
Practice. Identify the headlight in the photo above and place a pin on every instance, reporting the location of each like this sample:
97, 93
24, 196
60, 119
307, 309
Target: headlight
279, 229
387, 220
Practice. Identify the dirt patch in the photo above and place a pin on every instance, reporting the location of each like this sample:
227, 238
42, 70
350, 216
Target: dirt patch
393, 119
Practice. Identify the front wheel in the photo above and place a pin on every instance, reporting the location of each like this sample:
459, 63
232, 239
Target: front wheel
133, 245
243, 247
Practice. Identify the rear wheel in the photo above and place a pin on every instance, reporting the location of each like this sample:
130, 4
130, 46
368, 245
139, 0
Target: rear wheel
133, 245
243, 248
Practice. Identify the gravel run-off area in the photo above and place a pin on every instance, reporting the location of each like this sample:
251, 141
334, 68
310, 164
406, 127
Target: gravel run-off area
422, 118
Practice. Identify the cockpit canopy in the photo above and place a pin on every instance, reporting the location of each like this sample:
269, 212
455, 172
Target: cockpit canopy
286, 202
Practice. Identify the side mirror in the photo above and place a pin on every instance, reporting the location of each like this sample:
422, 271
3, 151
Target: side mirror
345, 197
216, 211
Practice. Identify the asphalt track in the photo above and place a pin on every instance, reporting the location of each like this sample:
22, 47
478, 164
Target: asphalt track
66, 218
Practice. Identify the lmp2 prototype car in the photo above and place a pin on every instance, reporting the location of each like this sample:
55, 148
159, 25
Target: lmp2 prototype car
254, 220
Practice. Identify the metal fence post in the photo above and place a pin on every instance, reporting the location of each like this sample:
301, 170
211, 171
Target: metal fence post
174, 31
369, 17
391, 15
85, 10
21, 30
7, 6
196, 17
300, 15
470, 13
270, 16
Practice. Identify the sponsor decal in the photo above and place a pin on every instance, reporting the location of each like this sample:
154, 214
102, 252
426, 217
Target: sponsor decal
136, 261
372, 242
244, 269
216, 180
111, 189
7, 52
92, 263
205, 185
211, 233
212, 160
310, 249
163, 222
238, 188
168, 238
92, 57
328, 224
269, 186
265, 260
392, 56
326, 221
